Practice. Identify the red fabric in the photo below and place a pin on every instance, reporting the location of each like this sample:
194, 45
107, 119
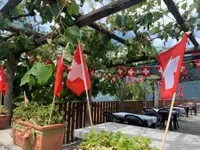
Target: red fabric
120, 71
183, 69
168, 56
58, 87
92, 72
3, 85
75, 79
100, 74
65, 67
181, 92
47, 62
131, 72
160, 71
145, 71
108, 76
197, 63
113, 79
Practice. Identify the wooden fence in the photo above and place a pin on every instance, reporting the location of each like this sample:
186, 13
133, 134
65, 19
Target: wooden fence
75, 113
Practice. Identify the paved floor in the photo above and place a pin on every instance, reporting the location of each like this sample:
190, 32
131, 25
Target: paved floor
187, 137
182, 139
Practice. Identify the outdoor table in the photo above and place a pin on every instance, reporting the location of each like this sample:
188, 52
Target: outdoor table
148, 119
173, 111
180, 110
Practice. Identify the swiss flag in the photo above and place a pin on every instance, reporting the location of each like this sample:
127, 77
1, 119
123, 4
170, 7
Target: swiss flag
58, 87
78, 80
145, 71
183, 69
100, 74
92, 72
120, 71
160, 71
3, 85
197, 63
131, 72
108, 76
113, 79
171, 62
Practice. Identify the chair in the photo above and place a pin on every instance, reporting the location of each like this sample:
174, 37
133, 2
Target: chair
135, 120
112, 118
164, 117
133, 112
145, 110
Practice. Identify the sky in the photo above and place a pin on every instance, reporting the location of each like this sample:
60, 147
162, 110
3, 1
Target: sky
157, 42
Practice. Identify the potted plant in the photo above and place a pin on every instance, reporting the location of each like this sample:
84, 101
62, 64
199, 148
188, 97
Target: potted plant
4, 118
114, 141
32, 130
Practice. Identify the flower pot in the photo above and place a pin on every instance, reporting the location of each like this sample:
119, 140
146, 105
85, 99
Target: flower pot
29, 136
4, 121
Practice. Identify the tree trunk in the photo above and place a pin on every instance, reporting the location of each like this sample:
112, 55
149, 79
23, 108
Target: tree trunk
11, 67
122, 96
156, 99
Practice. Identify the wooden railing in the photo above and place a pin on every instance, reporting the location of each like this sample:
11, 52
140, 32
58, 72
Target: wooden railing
75, 113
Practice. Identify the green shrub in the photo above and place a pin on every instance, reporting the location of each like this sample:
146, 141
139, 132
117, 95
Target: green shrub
37, 114
114, 141
3, 111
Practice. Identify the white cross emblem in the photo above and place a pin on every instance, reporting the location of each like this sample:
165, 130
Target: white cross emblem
146, 71
182, 68
169, 71
0, 78
131, 72
92, 72
119, 71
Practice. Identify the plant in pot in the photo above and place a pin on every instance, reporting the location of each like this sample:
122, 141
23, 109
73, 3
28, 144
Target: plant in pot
114, 141
4, 118
32, 130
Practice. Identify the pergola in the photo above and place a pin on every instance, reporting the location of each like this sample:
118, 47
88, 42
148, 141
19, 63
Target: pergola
82, 20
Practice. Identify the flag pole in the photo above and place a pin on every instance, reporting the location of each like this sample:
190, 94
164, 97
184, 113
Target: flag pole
168, 121
0, 102
85, 84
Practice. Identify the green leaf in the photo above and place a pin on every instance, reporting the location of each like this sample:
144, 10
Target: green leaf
55, 9
42, 72
183, 6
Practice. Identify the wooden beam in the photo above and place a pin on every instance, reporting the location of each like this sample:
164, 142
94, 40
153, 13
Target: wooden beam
10, 5
18, 30
180, 20
106, 11
106, 32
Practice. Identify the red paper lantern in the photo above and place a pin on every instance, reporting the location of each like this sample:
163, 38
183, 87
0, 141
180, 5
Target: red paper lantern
181, 92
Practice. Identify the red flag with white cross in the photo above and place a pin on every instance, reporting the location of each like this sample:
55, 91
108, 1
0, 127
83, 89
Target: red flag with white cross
183, 69
78, 79
171, 62
113, 79
131, 72
160, 71
92, 72
145, 71
120, 71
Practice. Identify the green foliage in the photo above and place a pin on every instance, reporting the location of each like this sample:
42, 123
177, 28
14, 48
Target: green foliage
37, 114
3, 111
114, 141
40, 71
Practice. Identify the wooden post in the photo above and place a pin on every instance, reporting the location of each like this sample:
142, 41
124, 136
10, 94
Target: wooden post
0, 102
168, 121
122, 96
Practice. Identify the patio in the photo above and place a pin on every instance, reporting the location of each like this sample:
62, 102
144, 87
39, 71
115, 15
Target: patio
188, 135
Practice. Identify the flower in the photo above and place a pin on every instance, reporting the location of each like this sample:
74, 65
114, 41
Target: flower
63, 14
57, 26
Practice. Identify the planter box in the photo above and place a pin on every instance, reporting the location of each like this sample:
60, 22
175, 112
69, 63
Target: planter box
45, 137
4, 121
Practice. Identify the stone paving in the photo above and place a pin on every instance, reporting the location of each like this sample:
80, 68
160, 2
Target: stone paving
187, 137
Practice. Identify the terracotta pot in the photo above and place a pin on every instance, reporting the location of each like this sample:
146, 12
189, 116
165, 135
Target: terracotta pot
46, 137
4, 121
